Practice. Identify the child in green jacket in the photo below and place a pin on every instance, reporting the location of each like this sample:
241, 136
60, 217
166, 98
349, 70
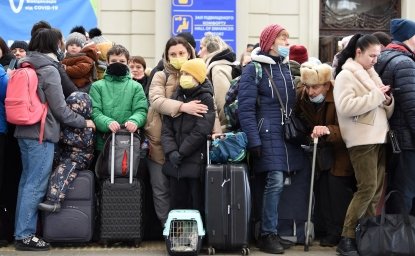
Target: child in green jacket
117, 99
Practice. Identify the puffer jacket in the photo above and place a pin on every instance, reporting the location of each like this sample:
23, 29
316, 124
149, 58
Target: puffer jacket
3, 88
117, 98
219, 68
187, 133
81, 67
77, 144
58, 111
261, 117
399, 73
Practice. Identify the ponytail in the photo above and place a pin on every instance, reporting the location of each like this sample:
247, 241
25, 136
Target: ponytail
357, 41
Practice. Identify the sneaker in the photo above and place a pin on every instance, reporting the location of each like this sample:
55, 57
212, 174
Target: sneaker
286, 244
329, 241
49, 206
270, 244
31, 243
347, 247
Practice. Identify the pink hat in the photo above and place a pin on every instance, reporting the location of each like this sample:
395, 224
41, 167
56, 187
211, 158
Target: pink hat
268, 36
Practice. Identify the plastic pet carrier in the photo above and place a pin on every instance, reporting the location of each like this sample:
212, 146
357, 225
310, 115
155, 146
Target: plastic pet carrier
183, 232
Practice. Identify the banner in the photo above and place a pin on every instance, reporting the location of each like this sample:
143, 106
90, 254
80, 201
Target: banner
18, 16
201, 16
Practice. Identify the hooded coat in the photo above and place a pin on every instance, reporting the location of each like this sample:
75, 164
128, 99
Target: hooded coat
188, 133
58, 112
261, 117
81, 67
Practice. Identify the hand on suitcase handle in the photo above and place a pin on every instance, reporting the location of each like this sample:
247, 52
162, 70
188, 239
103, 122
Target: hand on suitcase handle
114, 126
319, 131
130, 126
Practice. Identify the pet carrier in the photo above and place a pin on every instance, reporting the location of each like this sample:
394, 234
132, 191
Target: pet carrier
183, 232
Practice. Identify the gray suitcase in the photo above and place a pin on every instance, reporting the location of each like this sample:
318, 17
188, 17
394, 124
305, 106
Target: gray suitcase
75, 221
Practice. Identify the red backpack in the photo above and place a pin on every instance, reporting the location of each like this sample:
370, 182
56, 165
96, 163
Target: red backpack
22, 103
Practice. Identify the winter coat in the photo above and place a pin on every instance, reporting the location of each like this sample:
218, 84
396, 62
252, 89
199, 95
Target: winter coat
363, 118
188, 133
3, 88
118, 99
399, 73
220, 73
81, 67
260, 114
162, 87
325, 114
77, 144
58, 111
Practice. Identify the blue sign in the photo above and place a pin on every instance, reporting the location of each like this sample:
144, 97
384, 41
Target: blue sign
18, 16
200, 16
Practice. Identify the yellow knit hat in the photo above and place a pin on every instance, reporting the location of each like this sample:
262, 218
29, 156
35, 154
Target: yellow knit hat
195, 68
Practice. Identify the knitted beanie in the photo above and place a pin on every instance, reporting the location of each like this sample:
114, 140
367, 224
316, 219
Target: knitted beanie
196, 68
402, 29
75, 38
19, 44
298, 53
96, 36
268, 36
312, 74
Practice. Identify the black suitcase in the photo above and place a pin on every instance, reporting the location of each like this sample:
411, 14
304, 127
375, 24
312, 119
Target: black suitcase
121, 208
227, 207
75, 221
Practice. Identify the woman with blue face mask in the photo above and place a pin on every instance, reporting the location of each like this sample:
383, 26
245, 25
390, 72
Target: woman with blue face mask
335, 184
261, 118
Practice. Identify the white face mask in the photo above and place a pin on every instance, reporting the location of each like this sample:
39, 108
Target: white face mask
318, 99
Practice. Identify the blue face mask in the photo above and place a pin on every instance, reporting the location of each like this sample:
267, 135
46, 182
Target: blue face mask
318, 99
283, 51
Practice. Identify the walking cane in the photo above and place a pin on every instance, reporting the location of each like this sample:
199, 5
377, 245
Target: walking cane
310, 200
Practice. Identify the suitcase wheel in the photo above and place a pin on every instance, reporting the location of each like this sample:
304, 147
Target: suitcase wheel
211, 251
137, 243
245, 251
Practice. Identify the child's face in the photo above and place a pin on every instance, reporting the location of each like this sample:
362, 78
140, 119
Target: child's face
19, 53
136, 69
117, 58
74, 49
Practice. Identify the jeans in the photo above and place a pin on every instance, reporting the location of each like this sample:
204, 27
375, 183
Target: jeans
37, 165
161, 190
274, 183
369, 169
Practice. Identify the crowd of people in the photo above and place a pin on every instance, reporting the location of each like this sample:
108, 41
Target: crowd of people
93, 87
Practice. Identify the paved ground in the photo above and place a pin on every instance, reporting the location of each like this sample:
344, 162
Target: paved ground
153, 248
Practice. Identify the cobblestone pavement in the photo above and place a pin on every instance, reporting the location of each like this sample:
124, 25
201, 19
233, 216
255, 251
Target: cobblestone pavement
153, 248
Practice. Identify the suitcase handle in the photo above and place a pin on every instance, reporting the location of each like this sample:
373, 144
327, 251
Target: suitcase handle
113, 156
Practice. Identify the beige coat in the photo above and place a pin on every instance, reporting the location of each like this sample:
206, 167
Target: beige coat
160, 92
363, 118
221, 73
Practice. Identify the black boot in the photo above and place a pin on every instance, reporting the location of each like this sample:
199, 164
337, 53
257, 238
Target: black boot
286, 244
270, 244
347, 247
329, 241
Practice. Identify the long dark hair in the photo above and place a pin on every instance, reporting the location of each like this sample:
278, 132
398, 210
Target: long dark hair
358, 41
175, 41
45, 40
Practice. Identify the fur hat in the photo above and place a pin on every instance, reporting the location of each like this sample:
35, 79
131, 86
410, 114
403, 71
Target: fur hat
312, 74
80, 103
196, 68
298, 53
75, 38
19, 44
402, 29
268, 36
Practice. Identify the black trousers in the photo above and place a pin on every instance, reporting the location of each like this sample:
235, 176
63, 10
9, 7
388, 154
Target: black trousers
186, 193
332, 198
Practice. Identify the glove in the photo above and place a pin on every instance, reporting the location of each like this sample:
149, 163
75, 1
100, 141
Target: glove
255, 151
175, 158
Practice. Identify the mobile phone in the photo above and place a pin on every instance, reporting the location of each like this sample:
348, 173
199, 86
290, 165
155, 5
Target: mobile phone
12, 64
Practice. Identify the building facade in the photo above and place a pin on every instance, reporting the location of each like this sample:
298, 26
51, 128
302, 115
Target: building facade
144, 26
